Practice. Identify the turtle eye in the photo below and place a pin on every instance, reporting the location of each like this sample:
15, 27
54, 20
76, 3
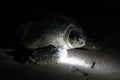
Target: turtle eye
79, 40
80, 37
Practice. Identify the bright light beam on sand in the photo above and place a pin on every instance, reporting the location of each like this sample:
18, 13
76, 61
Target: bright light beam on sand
73, 61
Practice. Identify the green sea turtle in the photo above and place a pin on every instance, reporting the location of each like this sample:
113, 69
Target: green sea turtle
46, 41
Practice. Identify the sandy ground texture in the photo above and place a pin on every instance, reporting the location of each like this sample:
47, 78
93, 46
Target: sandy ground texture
102, 65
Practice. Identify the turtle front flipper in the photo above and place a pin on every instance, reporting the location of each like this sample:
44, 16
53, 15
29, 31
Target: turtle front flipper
92, 44
46, 55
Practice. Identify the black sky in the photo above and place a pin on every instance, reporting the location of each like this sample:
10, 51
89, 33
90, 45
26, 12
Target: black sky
95, 17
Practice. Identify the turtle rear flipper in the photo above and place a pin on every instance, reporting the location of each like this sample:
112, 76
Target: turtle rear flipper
20, 55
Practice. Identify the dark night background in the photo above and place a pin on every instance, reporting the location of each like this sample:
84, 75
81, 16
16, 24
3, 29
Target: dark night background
96, 18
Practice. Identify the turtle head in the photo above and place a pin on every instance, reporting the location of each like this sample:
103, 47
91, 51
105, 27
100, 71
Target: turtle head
77, 39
